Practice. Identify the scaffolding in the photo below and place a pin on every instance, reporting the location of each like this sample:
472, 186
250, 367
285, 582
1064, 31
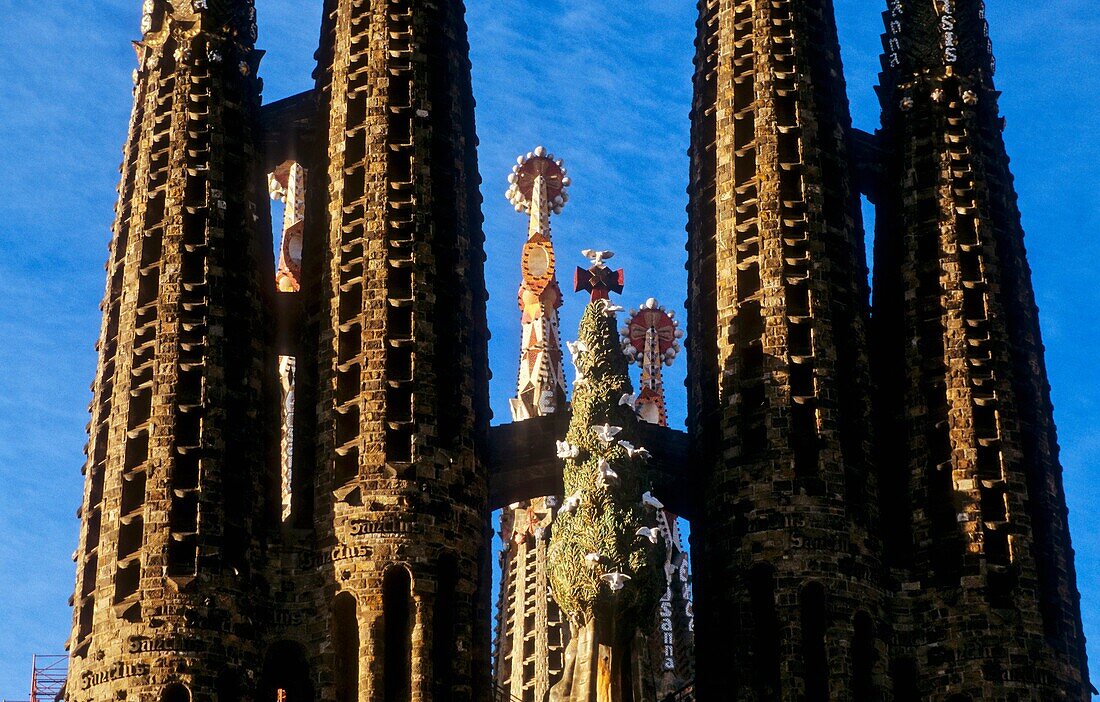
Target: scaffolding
48, 674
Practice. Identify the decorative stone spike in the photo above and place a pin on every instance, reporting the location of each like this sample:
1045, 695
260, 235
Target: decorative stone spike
531, 633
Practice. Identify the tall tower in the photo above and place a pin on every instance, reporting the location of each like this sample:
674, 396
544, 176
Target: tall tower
395, 296
778, 390
531, 636
992, 596
184, 408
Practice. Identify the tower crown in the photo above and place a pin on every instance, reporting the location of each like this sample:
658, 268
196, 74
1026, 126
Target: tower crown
936, 37
235, 19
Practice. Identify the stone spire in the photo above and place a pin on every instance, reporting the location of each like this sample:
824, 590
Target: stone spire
395, 298
778, 390
178, 493
605, 549
966, 405
531, 636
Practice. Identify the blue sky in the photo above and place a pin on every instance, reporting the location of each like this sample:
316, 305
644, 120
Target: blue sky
606, 85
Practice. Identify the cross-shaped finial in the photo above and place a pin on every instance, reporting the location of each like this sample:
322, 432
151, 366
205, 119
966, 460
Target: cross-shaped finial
599, 280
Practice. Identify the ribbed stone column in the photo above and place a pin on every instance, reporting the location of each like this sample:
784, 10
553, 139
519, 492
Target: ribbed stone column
989, 605
177, 497
396, 297
786, 550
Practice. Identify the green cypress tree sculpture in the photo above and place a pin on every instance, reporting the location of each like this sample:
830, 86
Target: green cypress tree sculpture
604, 553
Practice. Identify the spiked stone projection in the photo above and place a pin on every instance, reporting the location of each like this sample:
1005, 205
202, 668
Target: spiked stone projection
604, 572
778, 385
396, 305
185, 410
531, 635
966, 404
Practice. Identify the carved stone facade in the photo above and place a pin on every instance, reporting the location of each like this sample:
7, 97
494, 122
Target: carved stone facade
396, 336
778, 379
877, 504
971, 595
988, 604
184, 414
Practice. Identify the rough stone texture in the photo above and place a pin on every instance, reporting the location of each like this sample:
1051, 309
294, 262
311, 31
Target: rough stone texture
375, 584
397, 325
786, 553
988, 606
176, 498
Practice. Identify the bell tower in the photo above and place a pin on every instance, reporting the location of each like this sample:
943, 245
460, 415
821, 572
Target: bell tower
177, 498
395, 299
964, 396
786, 548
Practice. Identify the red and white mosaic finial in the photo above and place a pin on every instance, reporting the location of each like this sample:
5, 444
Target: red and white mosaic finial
651, 339
537, 187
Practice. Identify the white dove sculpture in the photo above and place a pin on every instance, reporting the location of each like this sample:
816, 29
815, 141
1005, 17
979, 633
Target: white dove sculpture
607, 473
640, 452
627, 400
576, 348
616, 581
592, 559
647, 533
650, 501
631, 451
597, 257
570, 504
567, 450
606, 433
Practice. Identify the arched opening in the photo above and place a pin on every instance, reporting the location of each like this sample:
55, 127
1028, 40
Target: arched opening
176, 692
286, 676
445, 628
903, 675
863, 658
345, 641
397, 642
228, 686
765, 632
815, 659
